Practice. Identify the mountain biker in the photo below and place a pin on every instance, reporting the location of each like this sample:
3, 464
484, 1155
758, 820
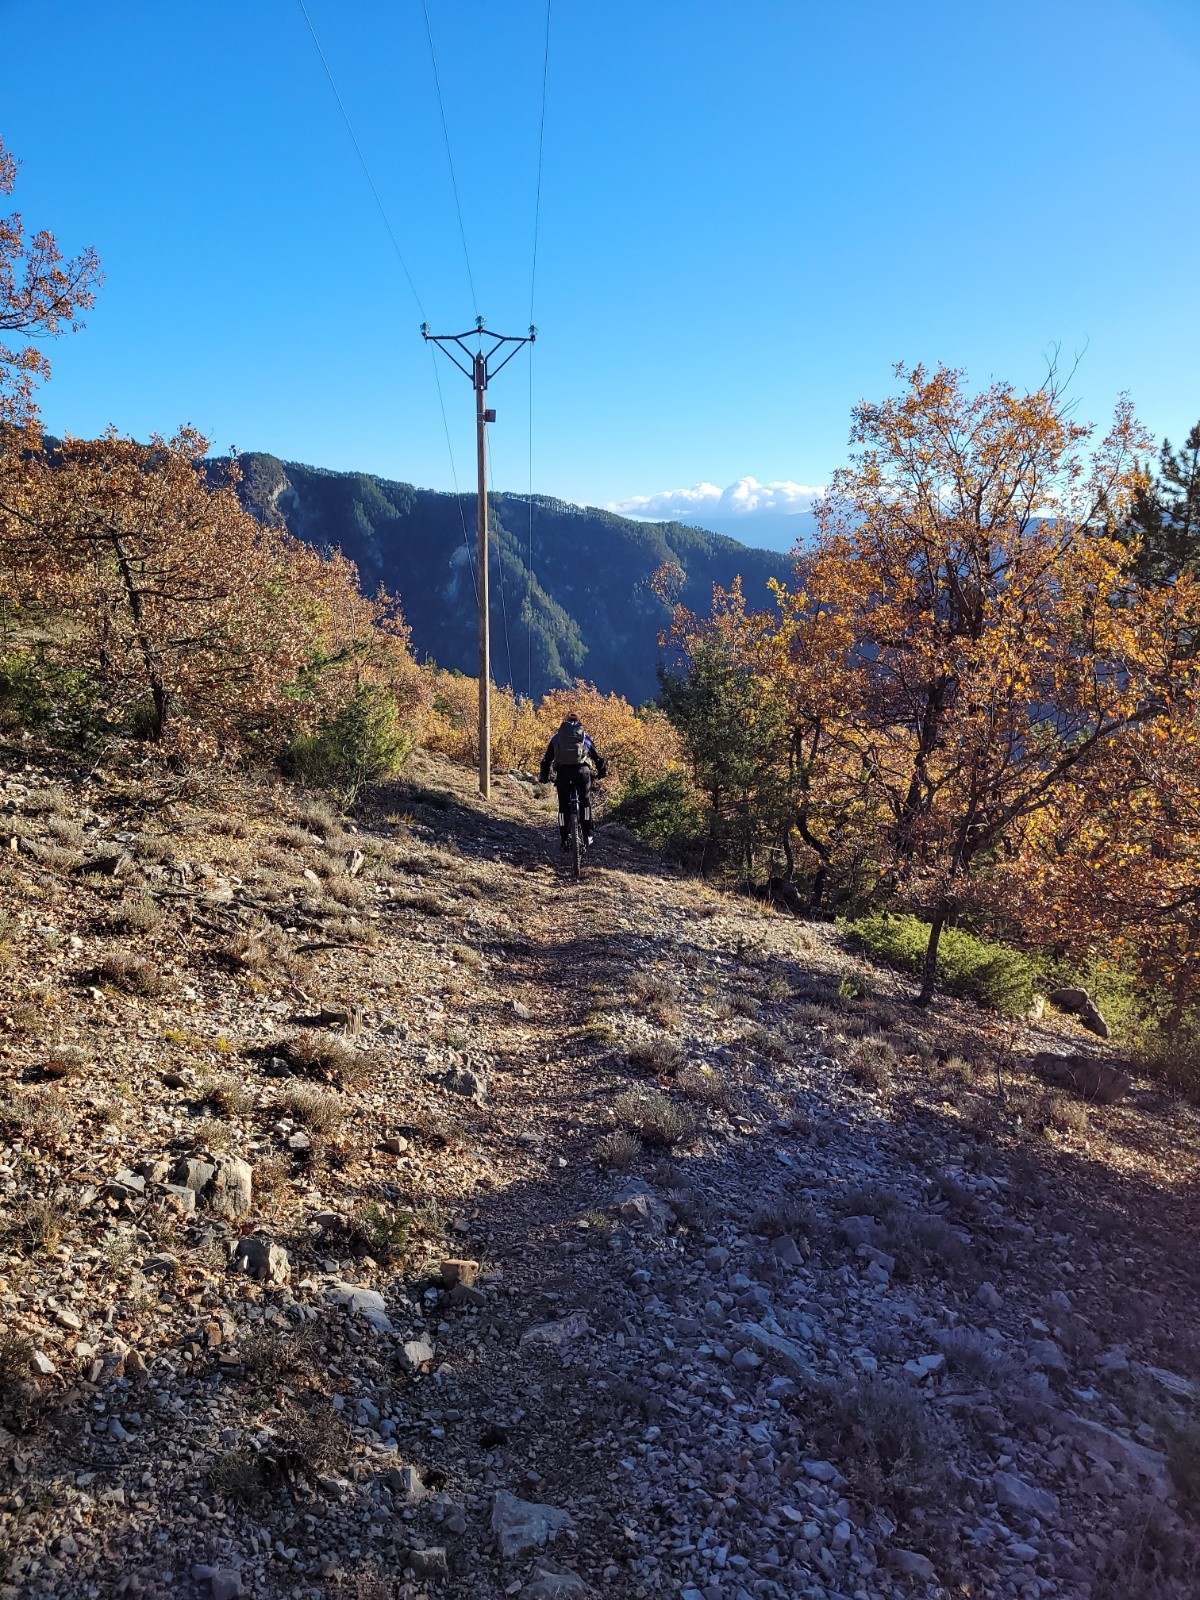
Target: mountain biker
573, 755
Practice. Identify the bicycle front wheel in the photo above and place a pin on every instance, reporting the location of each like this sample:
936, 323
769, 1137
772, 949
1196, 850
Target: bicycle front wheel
576, 845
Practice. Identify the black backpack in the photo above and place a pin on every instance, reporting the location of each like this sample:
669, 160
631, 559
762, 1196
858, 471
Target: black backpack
570, 745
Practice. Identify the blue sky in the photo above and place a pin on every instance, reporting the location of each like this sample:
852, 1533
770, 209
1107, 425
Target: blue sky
750, 211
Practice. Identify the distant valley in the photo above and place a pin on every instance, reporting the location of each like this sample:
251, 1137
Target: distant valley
587, 613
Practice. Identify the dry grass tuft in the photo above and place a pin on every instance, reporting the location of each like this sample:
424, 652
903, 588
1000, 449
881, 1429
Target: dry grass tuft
39, 1225
657, 1057
655, 1119
138, 914
130, 974
38, 1116
871, 1063
319, 817
618, 1150
703, 1084
313, 1108
326, 1060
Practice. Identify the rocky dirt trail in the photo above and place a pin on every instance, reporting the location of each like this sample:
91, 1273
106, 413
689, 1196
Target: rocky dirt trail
383, 1215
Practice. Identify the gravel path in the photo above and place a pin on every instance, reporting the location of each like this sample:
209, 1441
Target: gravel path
327, 1269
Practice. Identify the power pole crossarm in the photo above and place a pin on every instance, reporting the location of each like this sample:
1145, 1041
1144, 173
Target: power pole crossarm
480, 365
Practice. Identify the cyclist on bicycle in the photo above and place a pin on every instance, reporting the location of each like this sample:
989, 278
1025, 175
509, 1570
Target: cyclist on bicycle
573, 756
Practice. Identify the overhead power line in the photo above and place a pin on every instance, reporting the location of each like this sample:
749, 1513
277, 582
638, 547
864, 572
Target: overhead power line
391, 233
462, 232
362, 160
537, 217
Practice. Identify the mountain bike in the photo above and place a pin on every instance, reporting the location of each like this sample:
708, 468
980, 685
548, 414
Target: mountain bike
575, 840
576, 844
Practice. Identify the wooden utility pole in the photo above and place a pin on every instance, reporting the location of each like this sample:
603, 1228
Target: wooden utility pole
482, 418
479, 372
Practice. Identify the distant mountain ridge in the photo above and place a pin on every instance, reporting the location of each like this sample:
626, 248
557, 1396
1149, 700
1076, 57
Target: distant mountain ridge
588, 611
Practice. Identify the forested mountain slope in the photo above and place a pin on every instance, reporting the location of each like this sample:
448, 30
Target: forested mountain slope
593, 613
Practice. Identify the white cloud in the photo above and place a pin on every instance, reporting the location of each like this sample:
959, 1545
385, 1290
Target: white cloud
747, 498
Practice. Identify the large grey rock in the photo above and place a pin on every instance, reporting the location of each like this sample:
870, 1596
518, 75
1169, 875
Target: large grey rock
415, 1354
429, 1563
232, 1187
523, 1526
1080, 1004
466, 1081
194, 1174
785, 1352
546, 1585
912, 1564
1107, 1445
575, 1326
1090, 1077
263, 1260
362, 1302
1018, 1495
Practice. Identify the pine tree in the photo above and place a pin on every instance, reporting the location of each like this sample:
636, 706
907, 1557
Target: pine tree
1166, 515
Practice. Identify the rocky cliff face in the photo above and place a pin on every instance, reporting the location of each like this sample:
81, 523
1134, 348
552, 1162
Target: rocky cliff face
570, 592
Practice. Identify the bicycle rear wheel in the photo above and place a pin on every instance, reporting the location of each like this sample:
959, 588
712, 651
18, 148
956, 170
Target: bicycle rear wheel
576, 841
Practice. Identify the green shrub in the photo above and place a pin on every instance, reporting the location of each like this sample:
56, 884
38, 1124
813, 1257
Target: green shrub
363, 742
62, 703
994, 973
663, 811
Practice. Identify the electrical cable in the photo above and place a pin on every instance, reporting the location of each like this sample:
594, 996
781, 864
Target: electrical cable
462, 232
362, 160
537, 204
537, 217
437, 378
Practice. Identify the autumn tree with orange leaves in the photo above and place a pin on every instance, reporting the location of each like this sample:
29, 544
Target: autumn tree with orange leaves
189, 620
42, 294
967, 638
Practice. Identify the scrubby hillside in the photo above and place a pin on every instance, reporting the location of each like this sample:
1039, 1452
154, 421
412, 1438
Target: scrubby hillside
383, 1217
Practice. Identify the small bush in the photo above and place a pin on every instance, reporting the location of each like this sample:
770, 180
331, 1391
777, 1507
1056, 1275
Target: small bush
973, 1355
229, 1097
656, 1056
262, 949
618, 1149
925, 1243
381, 1233
315, 1055
656, 1119
319, 817
130, 974
1153, 1556
1173, 1061
363, 742
38, 1116
893, 1449
136, 914
703, 1084
871, 1063
665, 812
313, 1108
782, 1215
984, 969
1059, 1113
649, 988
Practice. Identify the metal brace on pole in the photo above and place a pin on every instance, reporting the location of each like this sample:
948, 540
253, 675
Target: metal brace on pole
477, 365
